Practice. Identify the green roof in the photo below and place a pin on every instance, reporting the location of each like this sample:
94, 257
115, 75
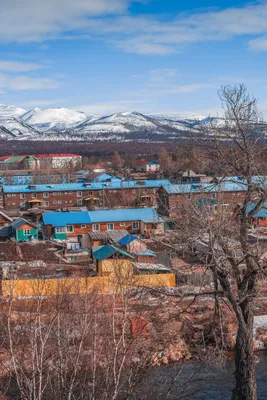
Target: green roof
14, 159
109, 250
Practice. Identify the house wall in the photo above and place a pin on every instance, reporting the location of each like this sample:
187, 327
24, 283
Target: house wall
136, 246
170, 204
108, 198
4, 221
152, 228
110, 266
20, 236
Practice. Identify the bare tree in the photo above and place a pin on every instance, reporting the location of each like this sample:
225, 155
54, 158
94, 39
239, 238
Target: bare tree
222, 241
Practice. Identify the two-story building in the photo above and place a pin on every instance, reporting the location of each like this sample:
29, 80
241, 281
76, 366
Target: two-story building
174, 197
94, 194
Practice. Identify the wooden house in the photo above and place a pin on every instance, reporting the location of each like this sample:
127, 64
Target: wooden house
5, 220
23, 230
113, 261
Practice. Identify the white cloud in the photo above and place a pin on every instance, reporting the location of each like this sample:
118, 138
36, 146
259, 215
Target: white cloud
259, 44
111, 21
22, 82
16, 66
35, 20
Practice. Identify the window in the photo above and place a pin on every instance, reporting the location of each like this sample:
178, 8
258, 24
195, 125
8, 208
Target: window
79, 202
214, 195
59, 202
34, 195
13, 195
96, 227
135, 225
83, 226
60, 229
79, 194
122, 224
27, 232
46, 195
70, 192
9, 195
22, 196
54, 202
46, 203
70, 228
188, 196
90, 193
110, 227
54, 193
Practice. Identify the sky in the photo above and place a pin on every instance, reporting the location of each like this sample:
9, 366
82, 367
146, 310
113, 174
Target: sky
150, 56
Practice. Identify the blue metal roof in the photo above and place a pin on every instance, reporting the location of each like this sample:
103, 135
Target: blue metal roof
103, 177
148, 215
127, 240
262, 213
114, 184
127, 214
205, 187
66, 218
145, 253
109, 250
153, 163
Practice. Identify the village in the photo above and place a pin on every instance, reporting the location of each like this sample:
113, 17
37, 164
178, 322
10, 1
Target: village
70, 230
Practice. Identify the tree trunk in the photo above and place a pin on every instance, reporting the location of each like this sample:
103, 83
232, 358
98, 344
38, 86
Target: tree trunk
245, 373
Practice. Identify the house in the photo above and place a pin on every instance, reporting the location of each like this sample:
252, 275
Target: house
66, 225
98, 238
98, 194
111, 260
23, 230
172, 198
41, 161
5, 220
146, 166
189, 176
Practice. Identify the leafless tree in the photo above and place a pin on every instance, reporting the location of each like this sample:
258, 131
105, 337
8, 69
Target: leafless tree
221, 240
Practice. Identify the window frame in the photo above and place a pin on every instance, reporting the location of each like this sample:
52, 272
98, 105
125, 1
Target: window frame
67, 228
25, 232
137, 225
108, 226
94, 229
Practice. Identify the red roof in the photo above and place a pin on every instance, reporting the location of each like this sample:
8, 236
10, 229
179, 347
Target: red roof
4, 157
141, 162
54, 155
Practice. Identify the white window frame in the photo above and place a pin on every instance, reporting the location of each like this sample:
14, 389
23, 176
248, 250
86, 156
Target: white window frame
67, 228
83, 226
90, 193
22, 196
79, 193
54, 202
59, 201
109, 226
60, 229
34, 195
80, 202
45, 195
27, 232
46, 203
135, 225
122, 223
96, 227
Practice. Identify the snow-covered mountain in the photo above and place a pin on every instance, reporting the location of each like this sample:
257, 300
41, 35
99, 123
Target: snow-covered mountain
65, 124
11, 126
53, 119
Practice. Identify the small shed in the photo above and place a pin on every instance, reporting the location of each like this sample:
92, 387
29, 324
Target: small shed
23, 230
111, 260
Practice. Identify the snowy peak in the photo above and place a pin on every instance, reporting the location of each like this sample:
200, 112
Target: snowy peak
10, 111
53, 118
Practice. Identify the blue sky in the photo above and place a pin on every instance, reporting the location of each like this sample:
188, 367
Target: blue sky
152, 56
